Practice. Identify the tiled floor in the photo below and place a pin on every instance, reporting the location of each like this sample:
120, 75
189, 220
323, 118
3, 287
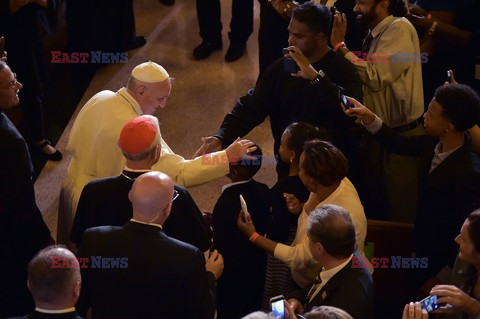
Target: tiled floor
203, 92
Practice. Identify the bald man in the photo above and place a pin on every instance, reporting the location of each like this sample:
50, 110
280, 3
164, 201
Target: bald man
55, 287
163, 277
93, 140
105, 201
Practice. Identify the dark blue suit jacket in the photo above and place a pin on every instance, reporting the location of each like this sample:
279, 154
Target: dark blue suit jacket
350, 289
161, 276
446, 196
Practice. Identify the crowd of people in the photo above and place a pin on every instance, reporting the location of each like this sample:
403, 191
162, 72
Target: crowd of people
354, 138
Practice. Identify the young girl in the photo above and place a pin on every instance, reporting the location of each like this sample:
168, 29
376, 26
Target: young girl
283, 224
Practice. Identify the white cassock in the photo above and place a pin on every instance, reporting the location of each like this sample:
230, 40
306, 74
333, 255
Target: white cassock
95, 153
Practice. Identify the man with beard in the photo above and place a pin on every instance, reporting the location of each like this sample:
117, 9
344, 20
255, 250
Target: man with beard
306, 95
390, 70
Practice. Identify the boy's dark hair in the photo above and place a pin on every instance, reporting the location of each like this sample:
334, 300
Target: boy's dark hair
460, 103
301, 132
246, 168
316, 16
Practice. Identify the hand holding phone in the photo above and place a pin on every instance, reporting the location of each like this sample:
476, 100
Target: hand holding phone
246, 215
343, 100
289, 63
278, 307
449, 76
430, 303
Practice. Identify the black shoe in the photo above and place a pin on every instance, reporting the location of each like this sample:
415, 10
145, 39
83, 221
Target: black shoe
204, 50
235, 51
167, 3
57, 156
139, 42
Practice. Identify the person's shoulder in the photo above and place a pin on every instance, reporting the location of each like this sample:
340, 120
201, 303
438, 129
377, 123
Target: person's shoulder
102, 231
401, 24
259, 185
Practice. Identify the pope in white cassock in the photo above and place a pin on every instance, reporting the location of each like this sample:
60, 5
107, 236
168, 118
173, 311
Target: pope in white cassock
94, 135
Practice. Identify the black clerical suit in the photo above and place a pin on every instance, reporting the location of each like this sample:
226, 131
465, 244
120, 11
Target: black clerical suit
22, 229
350, 289
287, 99
42, 315
26, 57
446, 196
239, 290
105, 202
163, 277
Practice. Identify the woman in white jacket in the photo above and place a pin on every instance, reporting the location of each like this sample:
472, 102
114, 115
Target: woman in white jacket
323, 170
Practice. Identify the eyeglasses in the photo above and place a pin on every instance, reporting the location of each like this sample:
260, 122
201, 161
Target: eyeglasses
12, 84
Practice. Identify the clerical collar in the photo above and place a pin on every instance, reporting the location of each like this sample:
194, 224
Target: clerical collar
150, 224
128, 169
71, 309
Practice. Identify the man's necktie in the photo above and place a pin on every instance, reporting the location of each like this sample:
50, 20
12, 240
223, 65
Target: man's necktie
315, 285
367, 42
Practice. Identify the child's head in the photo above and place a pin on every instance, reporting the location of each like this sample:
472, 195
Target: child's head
294, 138
245, 169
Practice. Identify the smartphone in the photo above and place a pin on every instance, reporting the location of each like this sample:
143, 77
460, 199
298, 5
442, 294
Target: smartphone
449, 76
278, 308
343, 100
243, 203
430, 303
289, 63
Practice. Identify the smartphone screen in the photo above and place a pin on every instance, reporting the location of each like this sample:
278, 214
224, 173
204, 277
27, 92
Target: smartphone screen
289, 64
429, 303
344, 101
449, 76
278, 308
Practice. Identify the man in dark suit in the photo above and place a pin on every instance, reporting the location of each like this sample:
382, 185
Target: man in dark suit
155, 276
449, 175
245, 263
105, 201
54, 281
332, 243
22, 230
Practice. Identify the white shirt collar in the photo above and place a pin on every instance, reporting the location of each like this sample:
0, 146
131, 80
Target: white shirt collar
71, 309
151, 224
326, 275
443, 155
232, 184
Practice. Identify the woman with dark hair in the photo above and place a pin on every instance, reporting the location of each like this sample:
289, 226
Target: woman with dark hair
283, 225
323, 170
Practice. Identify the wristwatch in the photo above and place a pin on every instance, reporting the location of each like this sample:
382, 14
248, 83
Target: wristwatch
319, 77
